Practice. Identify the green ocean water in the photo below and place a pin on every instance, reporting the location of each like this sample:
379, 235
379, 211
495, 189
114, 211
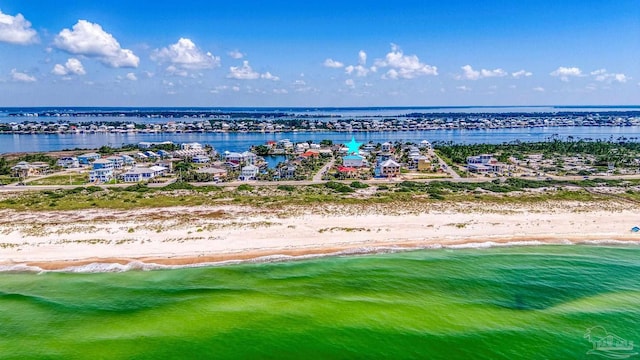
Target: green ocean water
533, 302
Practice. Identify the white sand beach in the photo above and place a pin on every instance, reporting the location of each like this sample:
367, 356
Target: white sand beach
191, 235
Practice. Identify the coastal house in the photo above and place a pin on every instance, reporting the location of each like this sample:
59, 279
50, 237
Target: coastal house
249, 172
424, 144
191, 146
68, 162
102, 164
24, 169
217, 173
128, 160
117, 161
484, 163
201, 159
246, 157
138, 174
388, 168
86, 159
354, 161
386, 147
288, 171
101, 175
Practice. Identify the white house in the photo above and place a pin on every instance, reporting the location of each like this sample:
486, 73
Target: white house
249, 172
137, 174
386, 147
68, 162
484, 163
191, 146
201, 159
101, 175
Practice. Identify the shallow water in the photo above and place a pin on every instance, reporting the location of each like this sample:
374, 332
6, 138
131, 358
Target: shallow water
495, 303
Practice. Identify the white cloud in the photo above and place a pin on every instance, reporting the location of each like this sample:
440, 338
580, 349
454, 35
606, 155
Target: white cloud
521, 73
131, 76
245, 72
186, 55
603, 75
463, 88
16, 30
538, 89
91, 40
73, 66
404, 66
470, 74
359, 70
362, 57
565, 72
280, 91
333, 63
22, 77
173, 70
350, 83
235, 54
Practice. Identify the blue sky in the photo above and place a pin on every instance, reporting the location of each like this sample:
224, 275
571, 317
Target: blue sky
328, 53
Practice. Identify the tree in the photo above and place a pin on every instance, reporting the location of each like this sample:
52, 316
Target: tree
262, 150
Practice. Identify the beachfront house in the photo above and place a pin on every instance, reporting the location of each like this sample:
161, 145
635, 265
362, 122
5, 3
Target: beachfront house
388, 168
484, 163
101, 175
249, 172
68, 162
217, 173
24, 169
86, 159
138, 174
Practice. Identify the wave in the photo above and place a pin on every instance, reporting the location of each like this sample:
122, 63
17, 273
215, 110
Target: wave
106, 267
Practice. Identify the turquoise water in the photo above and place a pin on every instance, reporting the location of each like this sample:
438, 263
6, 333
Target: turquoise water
500, 303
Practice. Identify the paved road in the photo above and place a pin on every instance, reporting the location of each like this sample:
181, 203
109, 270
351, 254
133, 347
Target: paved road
447, 168
14, 187
321, 172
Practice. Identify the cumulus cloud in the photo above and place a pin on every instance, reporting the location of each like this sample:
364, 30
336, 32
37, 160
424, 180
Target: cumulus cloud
564, 73
235, 54
350, 83
73, 66
603, 75
185, 54
16, 30
521, 73
91, 40
463, 88
468, 73
538, 89
22, 77
280, 91
404, 66
131, 76
333, 63
362, 57
358, 69
246, 72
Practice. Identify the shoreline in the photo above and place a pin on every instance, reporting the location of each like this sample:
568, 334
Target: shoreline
117, 240
103, 265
